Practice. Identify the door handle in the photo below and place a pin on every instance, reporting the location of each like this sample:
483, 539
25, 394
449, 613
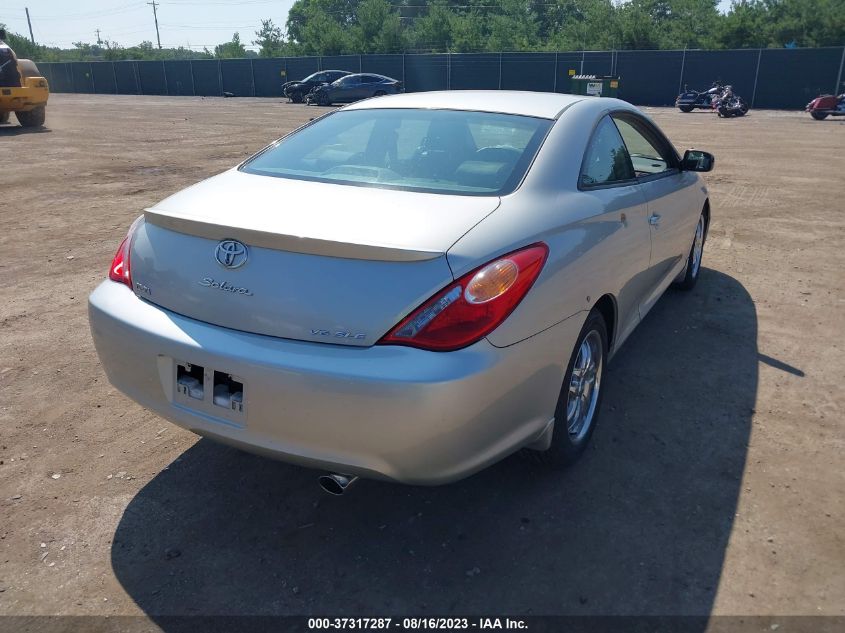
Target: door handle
654, 219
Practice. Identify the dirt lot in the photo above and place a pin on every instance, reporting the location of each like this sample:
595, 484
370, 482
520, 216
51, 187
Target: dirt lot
716, 482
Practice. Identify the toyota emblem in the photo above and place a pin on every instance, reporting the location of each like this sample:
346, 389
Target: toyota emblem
231, 254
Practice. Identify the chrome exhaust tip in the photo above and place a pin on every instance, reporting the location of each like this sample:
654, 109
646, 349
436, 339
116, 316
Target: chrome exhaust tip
335, 483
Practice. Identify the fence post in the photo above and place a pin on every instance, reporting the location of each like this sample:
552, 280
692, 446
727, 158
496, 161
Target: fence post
252, 74
583, 55
404, 78
114, 76
193, 82
756, 74
683, 63
91, 74
554, 89
164, 72
360, 63
137, 78
500, 71
839, 76
448, 71
219, 77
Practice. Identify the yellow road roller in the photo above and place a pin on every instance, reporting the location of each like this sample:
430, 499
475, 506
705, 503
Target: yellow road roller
22, 89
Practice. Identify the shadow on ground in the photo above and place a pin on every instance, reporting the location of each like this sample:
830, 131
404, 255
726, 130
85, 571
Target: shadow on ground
17, 130
639, 526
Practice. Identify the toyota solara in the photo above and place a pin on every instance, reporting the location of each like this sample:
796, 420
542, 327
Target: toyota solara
409, 288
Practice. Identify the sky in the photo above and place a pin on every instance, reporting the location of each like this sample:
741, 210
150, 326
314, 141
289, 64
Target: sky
190, 23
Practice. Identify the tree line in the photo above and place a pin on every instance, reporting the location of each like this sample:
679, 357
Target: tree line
334, 27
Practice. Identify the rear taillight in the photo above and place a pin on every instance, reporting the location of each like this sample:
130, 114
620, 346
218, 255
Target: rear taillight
119, 270
473, 306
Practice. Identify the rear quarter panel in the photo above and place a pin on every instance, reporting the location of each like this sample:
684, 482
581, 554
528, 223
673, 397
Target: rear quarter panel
591, 252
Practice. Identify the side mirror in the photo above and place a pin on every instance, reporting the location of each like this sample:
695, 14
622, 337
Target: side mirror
696, 160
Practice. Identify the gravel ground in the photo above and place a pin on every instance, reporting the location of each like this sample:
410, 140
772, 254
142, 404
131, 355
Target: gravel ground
715, 484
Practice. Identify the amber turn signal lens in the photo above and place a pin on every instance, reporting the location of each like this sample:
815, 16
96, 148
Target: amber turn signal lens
491, 281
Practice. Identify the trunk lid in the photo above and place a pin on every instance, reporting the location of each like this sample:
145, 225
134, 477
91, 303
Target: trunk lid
323, 262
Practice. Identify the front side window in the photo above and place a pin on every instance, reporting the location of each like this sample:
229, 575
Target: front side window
437, 151
606, 161
648, 154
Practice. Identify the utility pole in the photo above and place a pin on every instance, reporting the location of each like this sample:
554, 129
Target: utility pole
29, 22
154, 4
99, 41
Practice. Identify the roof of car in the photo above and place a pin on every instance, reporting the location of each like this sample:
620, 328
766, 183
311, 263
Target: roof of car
369, 75
547, 105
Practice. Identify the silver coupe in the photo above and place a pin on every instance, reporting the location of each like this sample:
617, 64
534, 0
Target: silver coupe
409, 288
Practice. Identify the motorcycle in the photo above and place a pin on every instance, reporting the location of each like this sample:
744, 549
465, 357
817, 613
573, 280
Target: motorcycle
730, 104
688, 100
826, 105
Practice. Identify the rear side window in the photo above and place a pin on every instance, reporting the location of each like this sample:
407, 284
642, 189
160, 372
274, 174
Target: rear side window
437, 151
606, 160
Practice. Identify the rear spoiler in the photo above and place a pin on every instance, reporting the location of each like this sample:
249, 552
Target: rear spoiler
281, 242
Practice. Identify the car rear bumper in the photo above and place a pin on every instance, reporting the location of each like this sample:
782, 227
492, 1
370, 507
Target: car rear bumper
384, 411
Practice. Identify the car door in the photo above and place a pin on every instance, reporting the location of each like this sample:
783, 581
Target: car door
370, 84
351, 89
669, 194
617, 240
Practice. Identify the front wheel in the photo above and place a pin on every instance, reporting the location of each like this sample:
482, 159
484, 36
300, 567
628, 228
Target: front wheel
4, 117
685, 108
579, 402
819, 116
296, 97
32, 118
694, 259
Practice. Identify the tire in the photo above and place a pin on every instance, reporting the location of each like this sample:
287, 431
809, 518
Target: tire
686, 108
819, 116
323, 99
296, 97
569, 438
33, 118
379, 93
4, 117
696, 254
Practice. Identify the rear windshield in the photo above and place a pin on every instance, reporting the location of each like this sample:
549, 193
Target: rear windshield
436, 151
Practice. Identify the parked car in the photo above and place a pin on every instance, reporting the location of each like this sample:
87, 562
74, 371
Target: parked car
297, 90
354, 88
408, 288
